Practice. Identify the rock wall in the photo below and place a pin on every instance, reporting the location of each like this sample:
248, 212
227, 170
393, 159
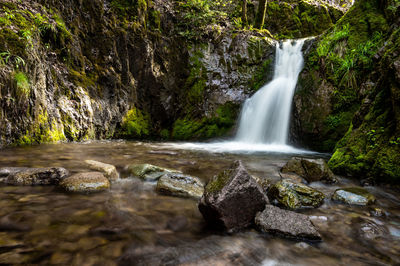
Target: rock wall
347, 96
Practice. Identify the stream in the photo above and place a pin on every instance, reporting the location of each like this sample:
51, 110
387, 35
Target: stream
132, 225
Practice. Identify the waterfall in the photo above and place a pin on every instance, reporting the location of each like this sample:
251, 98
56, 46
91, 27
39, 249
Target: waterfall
264, 119
265, 116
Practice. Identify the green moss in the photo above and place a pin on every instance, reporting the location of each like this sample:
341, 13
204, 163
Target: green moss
260, 77
23, 87
42, 131
217, 125
135, 124
295, 19
218, 182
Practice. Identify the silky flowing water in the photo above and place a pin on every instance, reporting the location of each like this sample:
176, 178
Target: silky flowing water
132, 225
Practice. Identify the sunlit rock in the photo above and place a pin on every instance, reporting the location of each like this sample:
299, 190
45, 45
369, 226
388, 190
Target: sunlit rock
86, 182
179, 185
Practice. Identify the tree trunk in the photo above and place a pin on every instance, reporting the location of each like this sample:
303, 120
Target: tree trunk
244, 13
262, 8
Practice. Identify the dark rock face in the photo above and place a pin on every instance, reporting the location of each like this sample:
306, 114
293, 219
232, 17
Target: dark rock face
180, 185
34, 176
354, 195
287, 223
232, 199
310, 169
295, 195
86, 182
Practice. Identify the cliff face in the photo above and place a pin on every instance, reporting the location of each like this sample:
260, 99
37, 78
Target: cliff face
347, 97
75, 70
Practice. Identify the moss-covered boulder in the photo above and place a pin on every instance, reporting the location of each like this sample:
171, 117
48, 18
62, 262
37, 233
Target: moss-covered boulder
179, 185
86, 182
353, 196
34, 176
310, 169
149, 172
232, 198
295, 195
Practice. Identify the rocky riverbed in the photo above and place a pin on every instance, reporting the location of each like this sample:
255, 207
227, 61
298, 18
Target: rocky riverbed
142, 221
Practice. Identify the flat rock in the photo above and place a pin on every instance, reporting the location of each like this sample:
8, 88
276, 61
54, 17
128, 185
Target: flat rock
86, 182
34, 176
286, 223
179, 185
310, 169
293, 195
354, 196
149, 172
232, 198
107, 169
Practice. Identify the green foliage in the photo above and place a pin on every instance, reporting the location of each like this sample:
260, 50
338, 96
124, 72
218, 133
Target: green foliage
7, 57
22, 85
220, 123
135, 124
197, 15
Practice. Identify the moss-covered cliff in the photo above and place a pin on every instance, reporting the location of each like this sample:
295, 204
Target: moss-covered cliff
76, 70
347, 98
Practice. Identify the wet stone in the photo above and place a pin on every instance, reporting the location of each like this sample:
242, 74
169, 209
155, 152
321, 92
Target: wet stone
149, 172
286, 223
107, 169
293, 195
86, 182
232, 199
354, 196
310, 169
179, 185
36, 176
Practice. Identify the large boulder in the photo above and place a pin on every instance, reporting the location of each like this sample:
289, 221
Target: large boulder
310, 169
232, 198
295, 195
354, 196
107, 169
149, 172
33, 176
286, 223
179, 185
86, 182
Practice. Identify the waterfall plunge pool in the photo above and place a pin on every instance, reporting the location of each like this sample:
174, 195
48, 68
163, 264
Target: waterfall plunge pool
132, 225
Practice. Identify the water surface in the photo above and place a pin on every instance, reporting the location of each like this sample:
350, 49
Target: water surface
131, 224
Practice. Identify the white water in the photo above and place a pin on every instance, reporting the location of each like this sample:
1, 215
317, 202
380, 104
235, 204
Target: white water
265, 117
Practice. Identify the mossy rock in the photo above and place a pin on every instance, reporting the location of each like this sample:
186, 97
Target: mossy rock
353, 196
149, 172
295, 195
87, 182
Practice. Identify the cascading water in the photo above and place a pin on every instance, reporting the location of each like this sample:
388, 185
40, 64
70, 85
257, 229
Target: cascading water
265, 116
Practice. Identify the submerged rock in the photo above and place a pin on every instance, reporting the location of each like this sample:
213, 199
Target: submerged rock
287, 223
310, 169
86, 182
179, 185
232, 198
295, 195
34, 176
353, 195
107, 169
149, 172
